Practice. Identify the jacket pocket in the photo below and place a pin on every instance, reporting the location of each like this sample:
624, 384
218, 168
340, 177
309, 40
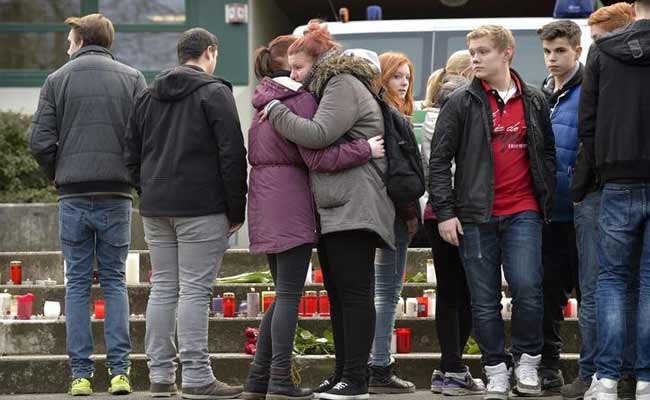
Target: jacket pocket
332, 189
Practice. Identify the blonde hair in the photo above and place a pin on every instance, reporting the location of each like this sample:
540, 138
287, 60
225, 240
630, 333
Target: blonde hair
612, 17
389, 63
459, 64
501, 37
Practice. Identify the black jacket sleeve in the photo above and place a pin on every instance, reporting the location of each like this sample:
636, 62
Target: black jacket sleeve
44, 137
550, 160
133, 147
222, 115
584, 174
444, 143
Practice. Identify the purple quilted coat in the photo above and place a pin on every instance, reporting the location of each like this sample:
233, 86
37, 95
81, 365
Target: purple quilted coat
280, 206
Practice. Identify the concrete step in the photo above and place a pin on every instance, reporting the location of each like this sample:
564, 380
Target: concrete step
49, 264
139, 294
50, 374
48, 337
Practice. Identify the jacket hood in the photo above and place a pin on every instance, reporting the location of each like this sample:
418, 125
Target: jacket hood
279, 88
341, 64
630, 45
179, 82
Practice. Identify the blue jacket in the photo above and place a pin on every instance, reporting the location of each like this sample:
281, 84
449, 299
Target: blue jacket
564, 118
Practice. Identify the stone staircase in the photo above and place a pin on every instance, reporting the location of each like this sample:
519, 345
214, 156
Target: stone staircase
33, 353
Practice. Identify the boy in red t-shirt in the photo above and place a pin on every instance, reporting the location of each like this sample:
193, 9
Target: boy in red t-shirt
498, 131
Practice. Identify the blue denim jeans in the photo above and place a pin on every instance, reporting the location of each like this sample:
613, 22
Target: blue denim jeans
514, 241
389, 279
96, 228
586, 222
624, 223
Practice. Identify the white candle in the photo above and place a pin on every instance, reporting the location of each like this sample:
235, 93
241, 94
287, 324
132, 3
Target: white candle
431, 272
133, 269
52, 309
411, 307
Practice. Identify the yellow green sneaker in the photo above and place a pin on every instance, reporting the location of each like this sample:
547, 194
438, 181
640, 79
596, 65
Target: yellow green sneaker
120, 385
80, 387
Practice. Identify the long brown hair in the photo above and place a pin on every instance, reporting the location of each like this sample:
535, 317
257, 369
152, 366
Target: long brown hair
458, 63
390, 62
273, 57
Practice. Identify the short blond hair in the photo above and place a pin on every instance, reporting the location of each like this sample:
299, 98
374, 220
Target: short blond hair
500, 36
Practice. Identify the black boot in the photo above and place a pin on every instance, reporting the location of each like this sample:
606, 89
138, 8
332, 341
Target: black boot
256, 383
281, 387
384, 381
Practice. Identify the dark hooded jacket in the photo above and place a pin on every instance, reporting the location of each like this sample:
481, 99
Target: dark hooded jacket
614, 106
185, 149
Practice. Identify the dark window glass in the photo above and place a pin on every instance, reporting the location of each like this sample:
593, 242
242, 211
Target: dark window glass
144, 11
33, 50
146, 51
43, 11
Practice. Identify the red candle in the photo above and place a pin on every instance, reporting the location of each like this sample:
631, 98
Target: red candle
16, 272
99, 309
311, 303
267, 299
423, 307
323, 304
25, 302
301, 306
403, 340
229, 305
318, 276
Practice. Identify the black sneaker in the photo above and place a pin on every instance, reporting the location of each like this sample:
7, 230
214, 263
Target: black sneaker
346, 390
552, 380
163, 389
575, 390
326, 385
384, 381
627, 388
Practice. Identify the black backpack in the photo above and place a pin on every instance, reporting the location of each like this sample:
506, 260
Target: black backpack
404, 176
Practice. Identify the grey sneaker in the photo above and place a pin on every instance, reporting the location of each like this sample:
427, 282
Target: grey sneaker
213, 391
437, 378
642, 390
163, 389
527, 382
552, 380
498, 385
602, 389
575, 390
462, 384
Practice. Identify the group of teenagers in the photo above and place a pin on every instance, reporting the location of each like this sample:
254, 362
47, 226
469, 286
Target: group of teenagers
550, 185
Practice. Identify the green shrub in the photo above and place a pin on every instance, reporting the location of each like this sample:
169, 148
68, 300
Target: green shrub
21, 179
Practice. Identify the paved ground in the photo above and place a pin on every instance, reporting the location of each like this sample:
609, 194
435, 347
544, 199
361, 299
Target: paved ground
420, 395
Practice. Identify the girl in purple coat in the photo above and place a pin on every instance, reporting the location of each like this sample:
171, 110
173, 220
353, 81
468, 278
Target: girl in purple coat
281, 215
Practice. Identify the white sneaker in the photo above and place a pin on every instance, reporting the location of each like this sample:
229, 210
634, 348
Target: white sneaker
498, 385
602, 389
527, 380
642, 390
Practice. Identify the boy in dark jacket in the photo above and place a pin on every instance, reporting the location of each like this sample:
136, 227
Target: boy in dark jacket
185, 151
614, 126
498, 131
77, 137
561, 45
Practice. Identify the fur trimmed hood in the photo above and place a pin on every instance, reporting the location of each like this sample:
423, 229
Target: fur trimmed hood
337, 64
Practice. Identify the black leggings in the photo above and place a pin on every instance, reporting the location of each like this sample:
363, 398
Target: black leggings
278, 327
347, 260
453, 305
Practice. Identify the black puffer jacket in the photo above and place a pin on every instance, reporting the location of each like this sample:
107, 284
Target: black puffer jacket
185, 149
464, 132
77, 135
614, 105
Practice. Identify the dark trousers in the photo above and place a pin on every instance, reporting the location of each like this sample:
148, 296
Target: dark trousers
560, 262
453, 305
278, 327
347, 260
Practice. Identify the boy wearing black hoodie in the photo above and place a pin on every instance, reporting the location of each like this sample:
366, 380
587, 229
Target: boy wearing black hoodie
614, 127
185, 152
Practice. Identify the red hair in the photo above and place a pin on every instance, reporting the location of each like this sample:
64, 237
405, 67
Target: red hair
390, 62
315, 41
